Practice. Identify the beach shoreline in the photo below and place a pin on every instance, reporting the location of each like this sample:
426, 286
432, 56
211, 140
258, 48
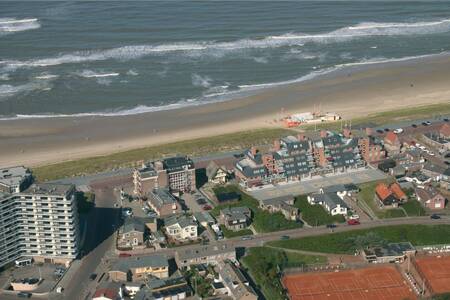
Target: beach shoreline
352, 91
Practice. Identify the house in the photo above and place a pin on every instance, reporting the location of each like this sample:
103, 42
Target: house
108, 291
392, 143
163, 203
216, 174
174, 288
390, 196
251, 171
283, 204
418, 178
397, 171
138, 268
235, 218
181, 227
208, 254
430, 198
435, 171
235, 282
391, 253
341, 190
204, 218
386, 165
332, 203
371, 149
131, 234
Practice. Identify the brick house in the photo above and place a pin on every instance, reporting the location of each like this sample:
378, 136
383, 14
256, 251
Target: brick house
430, 198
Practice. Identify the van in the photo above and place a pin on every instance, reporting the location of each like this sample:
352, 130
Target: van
23, 262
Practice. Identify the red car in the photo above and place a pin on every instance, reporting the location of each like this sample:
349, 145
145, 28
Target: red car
353, 222
207, 207
124, 255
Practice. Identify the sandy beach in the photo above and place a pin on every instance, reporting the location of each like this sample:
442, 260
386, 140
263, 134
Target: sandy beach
351, 92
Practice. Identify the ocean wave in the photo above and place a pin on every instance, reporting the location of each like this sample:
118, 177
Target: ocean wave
10, 25
132, 72
130, 52
46, 76
92, 74
221, 93
7, 90
201, 81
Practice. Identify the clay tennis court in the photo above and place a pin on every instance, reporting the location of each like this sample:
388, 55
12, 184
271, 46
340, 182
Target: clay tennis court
374, 283
435, 271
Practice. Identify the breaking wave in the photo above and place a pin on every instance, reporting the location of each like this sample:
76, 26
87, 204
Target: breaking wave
124, 53
10, 25
7, 90
92, 74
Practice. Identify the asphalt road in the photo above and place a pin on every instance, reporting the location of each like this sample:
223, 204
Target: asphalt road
260, 239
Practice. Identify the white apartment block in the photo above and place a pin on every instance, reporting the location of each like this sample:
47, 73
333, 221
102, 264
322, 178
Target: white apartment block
39, 222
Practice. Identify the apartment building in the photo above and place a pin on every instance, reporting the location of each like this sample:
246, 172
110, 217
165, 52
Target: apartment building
14, 179
163, 203
295, 158
39, 222
176, 173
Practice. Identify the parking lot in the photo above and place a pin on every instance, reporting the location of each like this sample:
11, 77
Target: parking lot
313, 185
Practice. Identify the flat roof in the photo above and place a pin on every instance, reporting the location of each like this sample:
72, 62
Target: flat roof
53, 189
374, 283
13, 175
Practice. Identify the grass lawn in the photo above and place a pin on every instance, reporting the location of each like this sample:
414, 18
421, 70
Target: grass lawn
315, 215
264, 263
262, 221
414, 208
231, 234
341, 242
195, 147
367, 194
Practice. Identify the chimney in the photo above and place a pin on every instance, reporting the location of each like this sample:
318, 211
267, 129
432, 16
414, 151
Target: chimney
253, 150
369, 131
323, 134
301, 137
276, 145
347, 132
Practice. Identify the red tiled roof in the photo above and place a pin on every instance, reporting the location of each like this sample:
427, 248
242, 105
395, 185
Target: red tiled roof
382, 191
107, 293
397, 191
445, 130
391, 137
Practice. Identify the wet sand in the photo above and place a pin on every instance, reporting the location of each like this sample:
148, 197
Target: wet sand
351, 92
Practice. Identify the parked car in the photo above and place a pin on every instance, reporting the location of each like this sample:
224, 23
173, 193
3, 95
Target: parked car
124, 255
24, 295
353, 222
285, 237
445, 119
331, 226
435, 216
247, 238
387, 129
380, 131
201, 201
398, 130
354, 217
92, 276
414, 126
207, 207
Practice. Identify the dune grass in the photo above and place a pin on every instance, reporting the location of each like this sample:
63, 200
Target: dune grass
195, 147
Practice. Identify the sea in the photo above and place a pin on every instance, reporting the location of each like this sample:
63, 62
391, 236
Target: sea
114, 58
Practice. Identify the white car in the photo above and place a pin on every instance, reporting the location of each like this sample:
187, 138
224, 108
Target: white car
398, 130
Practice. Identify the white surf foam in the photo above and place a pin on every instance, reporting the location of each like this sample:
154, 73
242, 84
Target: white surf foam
220, 93
201, 81
46, 76
216, 48
92, 74
10, 25
7, 90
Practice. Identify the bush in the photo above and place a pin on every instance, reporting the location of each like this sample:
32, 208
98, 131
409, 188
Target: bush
265, 266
